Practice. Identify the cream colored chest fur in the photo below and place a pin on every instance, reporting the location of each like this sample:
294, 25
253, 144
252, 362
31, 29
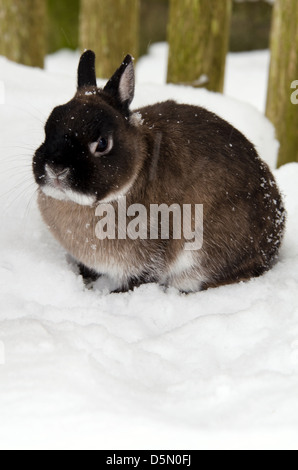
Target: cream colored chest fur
74, 227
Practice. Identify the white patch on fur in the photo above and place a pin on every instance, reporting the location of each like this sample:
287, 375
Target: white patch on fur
120, 193
55, 193
182, 263
118, 273
114, 270
136, 119
184, 274
79, 198
186, 285
69, 195
57, 187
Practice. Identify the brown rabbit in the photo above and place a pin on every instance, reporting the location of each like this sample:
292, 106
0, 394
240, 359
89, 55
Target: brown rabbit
98, 153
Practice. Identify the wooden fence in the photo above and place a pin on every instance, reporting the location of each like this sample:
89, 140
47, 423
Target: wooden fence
198, 32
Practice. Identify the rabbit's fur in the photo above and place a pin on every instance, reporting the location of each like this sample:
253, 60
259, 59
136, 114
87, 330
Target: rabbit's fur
166, 153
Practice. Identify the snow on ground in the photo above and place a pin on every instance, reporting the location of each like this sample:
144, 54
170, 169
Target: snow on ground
246, 73
148, 369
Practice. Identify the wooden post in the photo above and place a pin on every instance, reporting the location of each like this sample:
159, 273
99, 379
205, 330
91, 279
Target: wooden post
110, 28
63, 24
282, 102
198, 36
22, 27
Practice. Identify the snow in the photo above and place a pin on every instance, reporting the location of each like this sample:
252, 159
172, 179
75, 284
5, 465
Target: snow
246, 73
147, 369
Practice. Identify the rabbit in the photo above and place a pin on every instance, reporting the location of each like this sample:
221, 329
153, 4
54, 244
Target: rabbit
97, 151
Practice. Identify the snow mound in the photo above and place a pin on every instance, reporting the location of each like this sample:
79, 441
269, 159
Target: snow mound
145, 369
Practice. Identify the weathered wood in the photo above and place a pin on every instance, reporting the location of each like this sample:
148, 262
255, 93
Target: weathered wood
281, 107
63, 24
111, 29
198, 35
22, 26
153, 23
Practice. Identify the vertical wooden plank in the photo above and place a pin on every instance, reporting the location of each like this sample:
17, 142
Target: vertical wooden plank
23, 35
198, 36
110, 28
281, 107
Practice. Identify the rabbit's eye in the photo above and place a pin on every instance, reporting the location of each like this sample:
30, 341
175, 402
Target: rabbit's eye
102, 146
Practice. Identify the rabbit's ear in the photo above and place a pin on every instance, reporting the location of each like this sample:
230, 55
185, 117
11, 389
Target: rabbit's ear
122, 84
86, 71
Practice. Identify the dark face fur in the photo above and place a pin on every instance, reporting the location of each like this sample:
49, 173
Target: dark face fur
89, 153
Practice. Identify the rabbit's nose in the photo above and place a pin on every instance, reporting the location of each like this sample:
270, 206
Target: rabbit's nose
63, 174
56, 175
